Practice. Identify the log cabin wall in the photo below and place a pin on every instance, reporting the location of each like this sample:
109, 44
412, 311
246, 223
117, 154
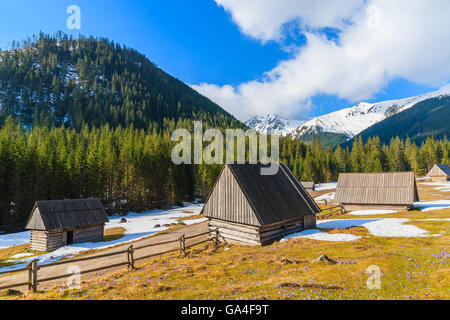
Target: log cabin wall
47, 240
237, 233
89, 234
54, 239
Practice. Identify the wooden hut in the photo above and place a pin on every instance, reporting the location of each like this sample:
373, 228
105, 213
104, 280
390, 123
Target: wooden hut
57, 223
359, 191
249, 208
439, 172
309, 185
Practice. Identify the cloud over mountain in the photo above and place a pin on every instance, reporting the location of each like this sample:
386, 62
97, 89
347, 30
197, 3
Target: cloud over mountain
378, 41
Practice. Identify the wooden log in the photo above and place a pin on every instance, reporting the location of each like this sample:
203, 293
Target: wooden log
237, 226
226, 232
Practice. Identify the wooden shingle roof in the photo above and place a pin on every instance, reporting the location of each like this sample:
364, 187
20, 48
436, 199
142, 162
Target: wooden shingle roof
273, 198
61, 214
439, 170
397, 188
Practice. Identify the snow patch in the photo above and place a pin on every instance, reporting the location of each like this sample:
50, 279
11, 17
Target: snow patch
326, 186
441, 186
329, 197
371, 212
194, 221
387, 227
14, 239
21, 255
315, 234
433, 205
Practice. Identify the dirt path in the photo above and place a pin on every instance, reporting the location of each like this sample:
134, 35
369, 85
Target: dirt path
46, 272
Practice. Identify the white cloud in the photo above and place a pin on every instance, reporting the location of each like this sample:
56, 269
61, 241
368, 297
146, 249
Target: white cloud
379, 41
263, 19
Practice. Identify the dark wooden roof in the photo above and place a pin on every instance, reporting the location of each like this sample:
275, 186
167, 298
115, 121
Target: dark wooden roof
273, 198
396, 188
439, 170
61, 214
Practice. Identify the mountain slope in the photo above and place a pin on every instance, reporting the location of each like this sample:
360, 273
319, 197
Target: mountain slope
425, 119
272, 124
350, 122
61, 81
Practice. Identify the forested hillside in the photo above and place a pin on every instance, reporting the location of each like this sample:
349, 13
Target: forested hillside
57, 80
429, 118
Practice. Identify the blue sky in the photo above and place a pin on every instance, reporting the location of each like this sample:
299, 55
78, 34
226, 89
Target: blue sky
199, 42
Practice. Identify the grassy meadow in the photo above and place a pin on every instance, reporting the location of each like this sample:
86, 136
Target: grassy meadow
411, 268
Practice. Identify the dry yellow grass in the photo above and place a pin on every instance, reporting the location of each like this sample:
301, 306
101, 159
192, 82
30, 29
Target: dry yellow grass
412, 268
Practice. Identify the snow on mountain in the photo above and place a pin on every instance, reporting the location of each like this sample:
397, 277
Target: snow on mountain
273, 124
352, 121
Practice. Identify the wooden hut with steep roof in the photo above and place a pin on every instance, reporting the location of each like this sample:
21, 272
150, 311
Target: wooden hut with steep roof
249, 208
439, 173
359, 191
57, 223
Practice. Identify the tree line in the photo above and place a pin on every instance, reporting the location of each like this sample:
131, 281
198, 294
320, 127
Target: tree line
130, 169
313, 162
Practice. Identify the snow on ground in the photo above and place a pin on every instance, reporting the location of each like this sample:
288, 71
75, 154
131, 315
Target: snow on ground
371, 212
443, 186
14, 239
138, 226
315, 234
326, 186
433, 205
434, 219
21, 255
329, 197
388, 227
194, 221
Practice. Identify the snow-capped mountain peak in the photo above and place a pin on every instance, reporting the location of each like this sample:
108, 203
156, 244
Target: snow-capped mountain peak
352, 121
273, 124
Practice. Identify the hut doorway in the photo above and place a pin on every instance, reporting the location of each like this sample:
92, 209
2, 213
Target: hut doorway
70, 237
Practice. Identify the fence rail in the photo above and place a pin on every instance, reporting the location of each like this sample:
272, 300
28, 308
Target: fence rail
32, 268
331, 212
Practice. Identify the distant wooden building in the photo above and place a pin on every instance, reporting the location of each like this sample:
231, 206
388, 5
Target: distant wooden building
309, 185
57, 223
439, 172
249, 208
359, 191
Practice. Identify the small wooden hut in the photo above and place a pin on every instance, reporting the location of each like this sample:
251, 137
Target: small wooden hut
309, 185
249, 208
440, 173
359, 191
57, 223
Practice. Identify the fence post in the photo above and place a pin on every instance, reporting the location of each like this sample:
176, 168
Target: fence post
130, 255
183, 243
217, 236
32, 275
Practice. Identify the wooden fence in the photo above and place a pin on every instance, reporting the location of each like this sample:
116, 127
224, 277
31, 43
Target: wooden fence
332, 211
32, 268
